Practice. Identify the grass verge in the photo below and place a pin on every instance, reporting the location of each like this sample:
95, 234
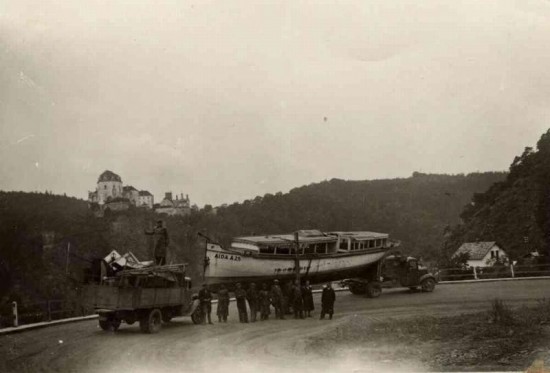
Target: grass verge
500, 338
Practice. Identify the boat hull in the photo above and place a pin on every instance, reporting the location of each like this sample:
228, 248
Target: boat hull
227, 266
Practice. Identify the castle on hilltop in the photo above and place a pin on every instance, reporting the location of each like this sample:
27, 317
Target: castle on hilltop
111, 195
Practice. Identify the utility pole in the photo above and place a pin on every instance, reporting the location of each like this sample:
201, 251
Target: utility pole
67, 263
296, 243
297, 257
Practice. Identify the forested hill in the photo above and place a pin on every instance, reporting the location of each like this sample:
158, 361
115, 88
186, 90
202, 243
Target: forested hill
415, 210
514, 212
38, 231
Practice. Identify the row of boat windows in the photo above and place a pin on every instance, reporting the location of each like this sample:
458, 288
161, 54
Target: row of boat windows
323, 248
320, 248
361, 245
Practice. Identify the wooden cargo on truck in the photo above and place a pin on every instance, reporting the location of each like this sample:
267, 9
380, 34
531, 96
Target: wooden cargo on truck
148, 295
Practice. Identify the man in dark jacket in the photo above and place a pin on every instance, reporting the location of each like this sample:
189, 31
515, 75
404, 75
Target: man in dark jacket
205, 298
264, 302
240, 296
297, 301
252, 297
277, 299
327, 301
307, 295
160, 242
223, 304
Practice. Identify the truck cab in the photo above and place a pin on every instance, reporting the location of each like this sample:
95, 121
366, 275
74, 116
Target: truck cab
395, 270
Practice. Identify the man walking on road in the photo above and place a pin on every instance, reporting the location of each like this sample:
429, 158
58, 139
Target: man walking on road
327, 301
160, 242
264, 302
297, 301
277, 299
240, 296
307, 294
223, 304
252, 297
205, 298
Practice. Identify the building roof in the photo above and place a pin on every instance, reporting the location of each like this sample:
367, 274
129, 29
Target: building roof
128, 188
477, 250
144, 193
109, 176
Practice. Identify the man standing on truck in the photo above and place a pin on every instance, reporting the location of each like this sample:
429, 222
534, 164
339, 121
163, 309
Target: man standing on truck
205, 298
327, 301
160, 242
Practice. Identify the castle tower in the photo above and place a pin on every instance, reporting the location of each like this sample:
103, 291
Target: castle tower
109, 186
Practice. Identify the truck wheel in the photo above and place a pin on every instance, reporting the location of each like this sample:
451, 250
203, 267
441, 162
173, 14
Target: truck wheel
109, 325
357, 289
152, 322
197, 316
428, 285
374, 289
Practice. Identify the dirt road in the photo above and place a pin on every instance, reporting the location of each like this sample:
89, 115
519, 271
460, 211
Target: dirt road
269, 346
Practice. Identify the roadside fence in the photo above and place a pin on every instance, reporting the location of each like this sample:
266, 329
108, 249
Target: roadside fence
20, 314
495, 272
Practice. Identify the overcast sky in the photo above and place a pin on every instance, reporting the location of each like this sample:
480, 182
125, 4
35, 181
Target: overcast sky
227, 100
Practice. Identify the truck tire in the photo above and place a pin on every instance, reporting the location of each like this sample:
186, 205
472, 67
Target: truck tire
152, 322
357, 289
428, 285
197, 316
109, 325
374, 289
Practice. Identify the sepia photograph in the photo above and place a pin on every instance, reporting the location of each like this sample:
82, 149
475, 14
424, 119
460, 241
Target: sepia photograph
274, 186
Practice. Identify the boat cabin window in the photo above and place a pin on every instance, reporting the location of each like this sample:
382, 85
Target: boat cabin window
309, 249
293, 251
371, 243
344, 245
384, 242
267, 250
378, 243
283, 251
321, 248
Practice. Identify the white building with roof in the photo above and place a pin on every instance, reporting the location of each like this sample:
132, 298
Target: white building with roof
482, 254
111, 194
109, 187
145, 199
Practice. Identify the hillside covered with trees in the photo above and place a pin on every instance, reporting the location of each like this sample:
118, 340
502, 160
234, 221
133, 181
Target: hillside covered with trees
515, 212
47, 240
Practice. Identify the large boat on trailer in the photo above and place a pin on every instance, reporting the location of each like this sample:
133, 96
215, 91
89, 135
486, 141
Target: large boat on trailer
320, 257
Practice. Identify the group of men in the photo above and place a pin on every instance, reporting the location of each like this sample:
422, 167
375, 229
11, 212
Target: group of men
291, 298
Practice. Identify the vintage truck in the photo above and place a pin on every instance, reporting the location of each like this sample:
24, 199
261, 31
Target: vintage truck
394, 270
150, 295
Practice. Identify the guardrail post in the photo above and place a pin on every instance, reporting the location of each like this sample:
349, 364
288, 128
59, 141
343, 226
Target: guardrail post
15, 315
512, 270
475, 273
49, 311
